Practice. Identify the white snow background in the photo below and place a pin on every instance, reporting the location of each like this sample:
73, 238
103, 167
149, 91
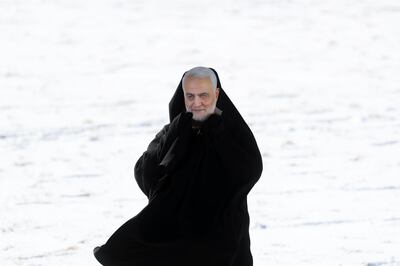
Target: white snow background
85, 86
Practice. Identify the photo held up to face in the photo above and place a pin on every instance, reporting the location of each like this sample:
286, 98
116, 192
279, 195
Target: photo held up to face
200, 94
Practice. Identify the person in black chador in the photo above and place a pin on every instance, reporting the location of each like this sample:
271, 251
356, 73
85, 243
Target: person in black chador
196, 173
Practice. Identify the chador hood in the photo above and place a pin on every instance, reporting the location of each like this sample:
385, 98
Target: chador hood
197, 184
177, 105
231, 115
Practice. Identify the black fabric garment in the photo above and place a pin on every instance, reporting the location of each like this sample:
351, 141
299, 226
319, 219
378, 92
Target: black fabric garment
197, 181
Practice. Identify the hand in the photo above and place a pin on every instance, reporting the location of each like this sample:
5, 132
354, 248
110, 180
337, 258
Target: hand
175, 145
180, 124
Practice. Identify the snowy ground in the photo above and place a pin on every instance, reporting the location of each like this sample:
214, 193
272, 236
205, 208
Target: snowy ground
84, 86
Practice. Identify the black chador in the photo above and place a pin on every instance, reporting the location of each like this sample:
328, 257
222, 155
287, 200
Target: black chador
196, 179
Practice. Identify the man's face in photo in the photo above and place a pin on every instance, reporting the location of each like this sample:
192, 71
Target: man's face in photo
200, 97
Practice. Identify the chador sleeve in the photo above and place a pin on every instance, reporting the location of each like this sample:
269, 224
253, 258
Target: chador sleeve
147, 168
161, 153
236, 149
